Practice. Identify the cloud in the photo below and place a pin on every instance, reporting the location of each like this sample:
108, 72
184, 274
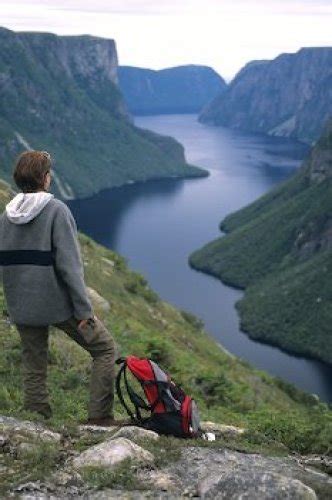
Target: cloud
155, 7
223, 34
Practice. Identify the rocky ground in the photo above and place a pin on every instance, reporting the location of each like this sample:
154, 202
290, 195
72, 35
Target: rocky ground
101, 463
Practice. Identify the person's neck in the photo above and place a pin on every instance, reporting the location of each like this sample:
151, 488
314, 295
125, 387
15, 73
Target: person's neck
38, 191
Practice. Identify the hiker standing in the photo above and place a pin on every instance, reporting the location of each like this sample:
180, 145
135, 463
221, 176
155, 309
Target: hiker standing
43, 284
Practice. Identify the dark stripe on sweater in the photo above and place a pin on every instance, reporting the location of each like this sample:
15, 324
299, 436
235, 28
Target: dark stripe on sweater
32, 257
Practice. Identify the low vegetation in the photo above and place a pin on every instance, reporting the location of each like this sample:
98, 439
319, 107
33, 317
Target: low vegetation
279, 249
278, 418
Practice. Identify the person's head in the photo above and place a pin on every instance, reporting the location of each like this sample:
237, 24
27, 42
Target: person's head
32, 171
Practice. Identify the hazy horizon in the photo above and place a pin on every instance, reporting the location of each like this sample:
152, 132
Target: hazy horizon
156, 35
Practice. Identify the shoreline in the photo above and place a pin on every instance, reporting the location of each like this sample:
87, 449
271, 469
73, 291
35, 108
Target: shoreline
260, 340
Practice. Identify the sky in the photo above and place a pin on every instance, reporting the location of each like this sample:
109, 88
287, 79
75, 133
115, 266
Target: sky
156, 34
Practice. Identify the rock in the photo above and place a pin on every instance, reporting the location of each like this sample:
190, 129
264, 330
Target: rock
324, 463
23, 427
4, 443
67, 479
112, 452
33, 487
110, 263
133, 432
299, 107
221, 429
156, 315
98, 301
125, 495
224, 474
96, 429
254, 485
161, 480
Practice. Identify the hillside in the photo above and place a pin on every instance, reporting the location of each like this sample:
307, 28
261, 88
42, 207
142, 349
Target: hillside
61, 94
289, 96
279, 249
275, 418
182, 89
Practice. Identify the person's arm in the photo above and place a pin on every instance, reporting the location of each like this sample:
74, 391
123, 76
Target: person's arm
68, 261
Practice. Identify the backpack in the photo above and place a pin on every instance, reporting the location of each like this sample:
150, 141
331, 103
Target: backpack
172, 412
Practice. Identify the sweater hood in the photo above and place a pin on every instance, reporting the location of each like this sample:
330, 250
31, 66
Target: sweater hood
26, 206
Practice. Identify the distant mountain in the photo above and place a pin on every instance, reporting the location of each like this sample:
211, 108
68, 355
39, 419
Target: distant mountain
61, 94
280, 249
182, 89
289, 96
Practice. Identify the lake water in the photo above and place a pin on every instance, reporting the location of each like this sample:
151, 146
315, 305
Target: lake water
157, 224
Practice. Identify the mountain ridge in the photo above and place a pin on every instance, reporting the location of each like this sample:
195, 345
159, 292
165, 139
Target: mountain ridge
287, 96
61, 94
178, 89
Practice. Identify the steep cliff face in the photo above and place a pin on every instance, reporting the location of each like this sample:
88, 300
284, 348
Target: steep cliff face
279, 249
289, 96
182, 89
61, 94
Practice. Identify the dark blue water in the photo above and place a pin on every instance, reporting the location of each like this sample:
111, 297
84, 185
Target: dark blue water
157, 224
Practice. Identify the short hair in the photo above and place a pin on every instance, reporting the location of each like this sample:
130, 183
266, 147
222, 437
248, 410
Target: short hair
30, 170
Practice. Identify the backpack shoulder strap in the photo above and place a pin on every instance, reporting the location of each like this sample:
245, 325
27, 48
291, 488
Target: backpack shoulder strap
118, 388
137, 401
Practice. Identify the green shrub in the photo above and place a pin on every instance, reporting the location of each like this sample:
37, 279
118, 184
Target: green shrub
295, 431
193, 320
214, 388
137, 284
122, 475
160, 351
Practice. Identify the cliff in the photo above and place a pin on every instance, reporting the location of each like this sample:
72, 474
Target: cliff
61, 94
279, 249
288, 96
182, 89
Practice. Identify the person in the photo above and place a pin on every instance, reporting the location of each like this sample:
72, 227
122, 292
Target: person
43, 282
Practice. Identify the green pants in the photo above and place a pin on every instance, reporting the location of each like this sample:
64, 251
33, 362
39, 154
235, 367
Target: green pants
95, 339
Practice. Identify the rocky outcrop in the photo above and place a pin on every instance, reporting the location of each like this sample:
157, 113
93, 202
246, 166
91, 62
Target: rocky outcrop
182, 89
112, 452
197, 471
99, 302
17, 430
224, 474
319, 163
290, 96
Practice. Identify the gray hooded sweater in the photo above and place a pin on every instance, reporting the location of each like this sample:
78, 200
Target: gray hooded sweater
40, 260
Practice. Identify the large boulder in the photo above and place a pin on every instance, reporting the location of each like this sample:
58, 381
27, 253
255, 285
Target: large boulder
111, 452
225, 474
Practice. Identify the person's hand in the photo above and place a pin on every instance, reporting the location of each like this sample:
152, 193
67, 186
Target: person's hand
84, 322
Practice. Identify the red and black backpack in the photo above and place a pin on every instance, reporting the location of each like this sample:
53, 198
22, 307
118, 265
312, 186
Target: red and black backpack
171, 411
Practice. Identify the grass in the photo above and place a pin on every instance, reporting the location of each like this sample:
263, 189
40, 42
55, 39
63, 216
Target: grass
122, 475
278, 417
227, 389
34, 461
